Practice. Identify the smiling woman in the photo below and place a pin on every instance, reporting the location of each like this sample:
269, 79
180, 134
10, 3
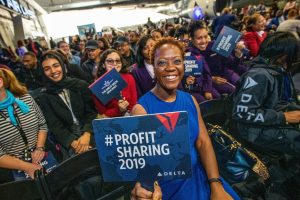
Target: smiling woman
167, 58
68, 107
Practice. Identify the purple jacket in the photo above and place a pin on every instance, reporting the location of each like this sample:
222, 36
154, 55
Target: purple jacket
204, 82
143, 80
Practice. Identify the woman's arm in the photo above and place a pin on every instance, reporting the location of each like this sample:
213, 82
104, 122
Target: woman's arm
208, 159
10, 162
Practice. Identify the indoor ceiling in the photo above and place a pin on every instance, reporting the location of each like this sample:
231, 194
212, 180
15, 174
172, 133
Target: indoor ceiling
60, 5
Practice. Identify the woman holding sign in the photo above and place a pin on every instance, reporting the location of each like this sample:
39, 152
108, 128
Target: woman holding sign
22, 126
116, 107
68, 106
167, 58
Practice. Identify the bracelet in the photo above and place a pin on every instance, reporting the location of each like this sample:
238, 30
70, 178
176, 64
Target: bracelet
40, 148
218, 180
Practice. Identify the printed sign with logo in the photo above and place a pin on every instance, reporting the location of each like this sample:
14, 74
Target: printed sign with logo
144, 148
108, 86
226, 41
193, 66
48, 163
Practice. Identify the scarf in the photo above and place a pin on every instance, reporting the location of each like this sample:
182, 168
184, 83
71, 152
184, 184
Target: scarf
8, 104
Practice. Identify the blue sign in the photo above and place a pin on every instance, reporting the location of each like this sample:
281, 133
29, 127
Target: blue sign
144, 148
193, 66
226, 41
48, 163
108, 86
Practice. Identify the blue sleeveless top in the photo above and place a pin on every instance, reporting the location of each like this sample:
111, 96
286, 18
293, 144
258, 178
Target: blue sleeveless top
196, 187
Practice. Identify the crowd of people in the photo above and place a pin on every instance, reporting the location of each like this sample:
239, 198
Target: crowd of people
47, 90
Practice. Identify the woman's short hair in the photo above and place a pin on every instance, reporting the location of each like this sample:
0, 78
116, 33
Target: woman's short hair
161, 42
11, 83
103, 57
105, 43
140, 47
194, 26
280, 44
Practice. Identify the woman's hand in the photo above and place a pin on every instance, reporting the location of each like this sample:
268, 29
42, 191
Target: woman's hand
292, 117
123, 104
208, 96
139, 193
238, 49
37, 155
219, 80
31, 168
218, 192
83, 143
190, 80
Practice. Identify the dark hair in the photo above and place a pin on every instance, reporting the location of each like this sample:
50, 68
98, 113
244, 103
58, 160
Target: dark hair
20, 43
30, 53
293, 13
161, 42
194, 26
280, 44
140, 46
60, 42
159, 31
105, 43
55, 55
102, 70
180, 32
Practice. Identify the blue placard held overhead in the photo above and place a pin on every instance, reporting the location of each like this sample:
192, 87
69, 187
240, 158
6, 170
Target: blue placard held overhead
108, 86
144, 148
226, 41
192, 66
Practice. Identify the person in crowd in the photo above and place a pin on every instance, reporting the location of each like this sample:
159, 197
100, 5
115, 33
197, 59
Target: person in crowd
291, 4
112, 59
142, 71
90, 66
103, 44
52, 43
167, 57
157, 34
224, 20
291, 24
73, 59
255, 34
265, 105
72, 70
122, 44
167, 28
35, 47
68, 107
31, 74
81, 48
4, 55
274, 23
19, 114
133, 39
201, 86
21, 50
222, 69
261, 8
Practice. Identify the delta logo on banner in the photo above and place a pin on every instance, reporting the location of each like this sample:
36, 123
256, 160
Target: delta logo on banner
144, 148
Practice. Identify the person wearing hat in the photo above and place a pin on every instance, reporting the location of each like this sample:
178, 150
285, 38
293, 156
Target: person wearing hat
123, 46
90, 66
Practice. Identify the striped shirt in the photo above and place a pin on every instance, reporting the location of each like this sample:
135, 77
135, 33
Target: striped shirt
11, 142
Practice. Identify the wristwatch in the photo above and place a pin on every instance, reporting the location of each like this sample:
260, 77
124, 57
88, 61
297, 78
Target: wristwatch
40, 148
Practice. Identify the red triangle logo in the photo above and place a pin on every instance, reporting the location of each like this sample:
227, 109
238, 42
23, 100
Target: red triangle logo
169, 120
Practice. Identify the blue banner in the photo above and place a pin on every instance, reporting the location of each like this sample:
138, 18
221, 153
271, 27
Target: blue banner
108, 86
192, 66
144, 148
226, 41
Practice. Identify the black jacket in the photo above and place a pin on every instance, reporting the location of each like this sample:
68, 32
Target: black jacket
259, 99
88, 68
32, 78
59, 117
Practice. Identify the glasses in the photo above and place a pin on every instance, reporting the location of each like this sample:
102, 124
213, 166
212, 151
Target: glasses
111, 62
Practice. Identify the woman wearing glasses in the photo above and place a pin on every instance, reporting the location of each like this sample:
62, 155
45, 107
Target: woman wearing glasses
116, 107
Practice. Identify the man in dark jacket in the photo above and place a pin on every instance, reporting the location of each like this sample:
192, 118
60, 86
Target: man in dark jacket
90, 66
31, 74
127, 53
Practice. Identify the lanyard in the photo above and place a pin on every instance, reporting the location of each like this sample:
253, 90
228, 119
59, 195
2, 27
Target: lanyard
18, 126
